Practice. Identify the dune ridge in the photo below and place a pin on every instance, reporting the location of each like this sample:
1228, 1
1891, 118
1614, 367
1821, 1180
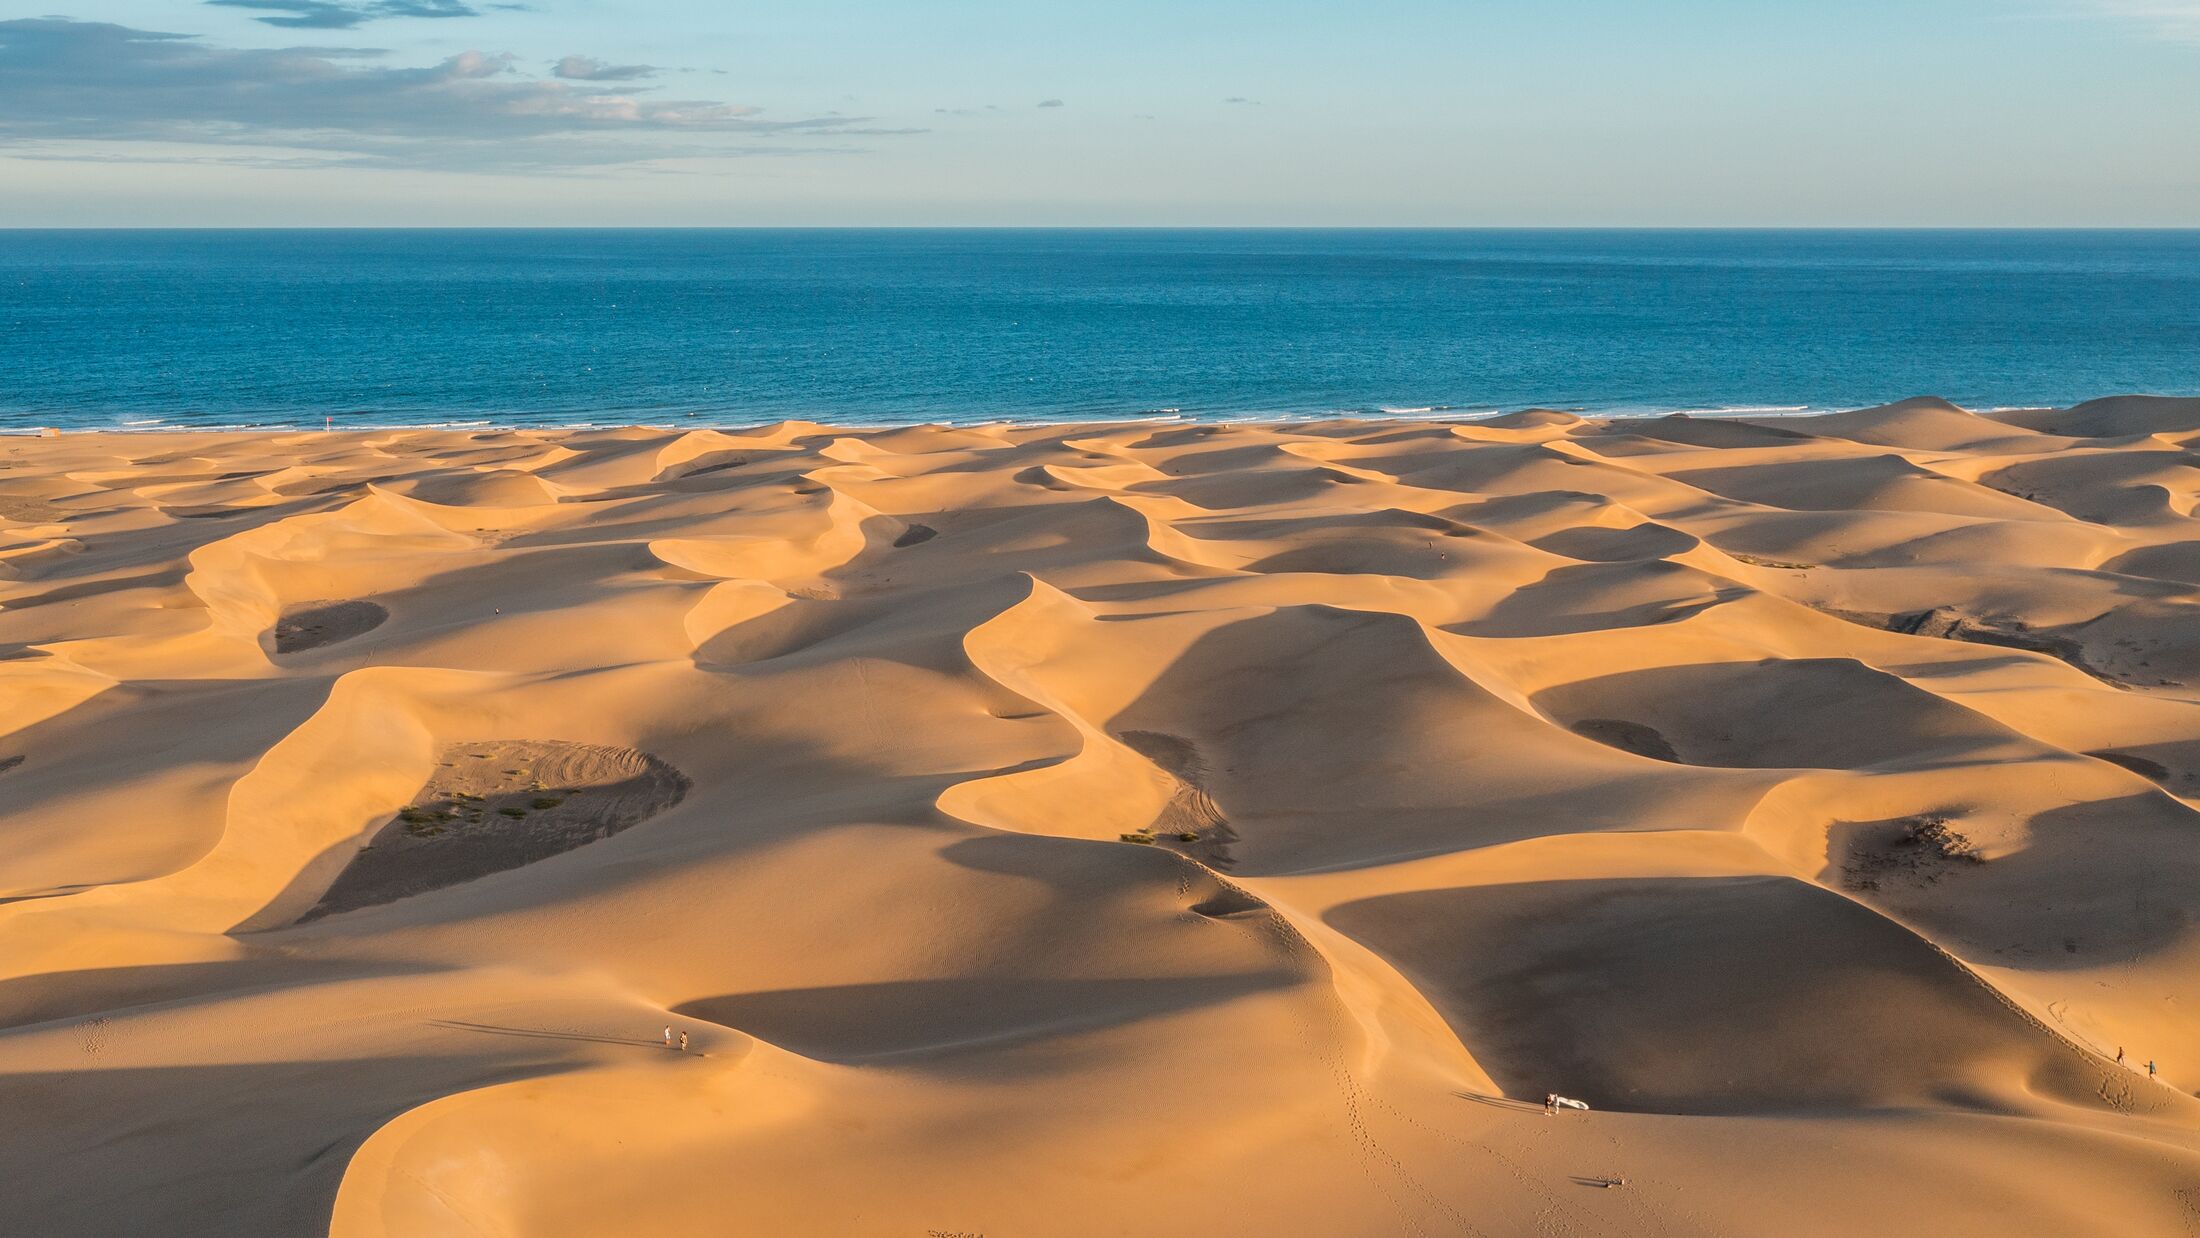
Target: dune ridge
1124, 827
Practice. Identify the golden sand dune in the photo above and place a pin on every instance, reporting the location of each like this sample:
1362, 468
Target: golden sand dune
1106, 829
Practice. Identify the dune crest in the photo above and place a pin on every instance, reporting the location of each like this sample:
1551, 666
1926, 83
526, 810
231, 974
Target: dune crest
1125, 827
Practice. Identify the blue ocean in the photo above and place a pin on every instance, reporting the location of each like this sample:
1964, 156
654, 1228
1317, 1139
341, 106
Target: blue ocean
272, 328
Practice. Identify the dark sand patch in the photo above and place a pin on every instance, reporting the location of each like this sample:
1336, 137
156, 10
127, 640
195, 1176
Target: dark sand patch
1231, 901
1917, 851
2153, 771
1037, 475
703, 466
1596, 544
1643, 741
915, 535
314, 624
709, 469
1947, 623
8, 763
1760, 561
1191, 822
498, 805
31, 510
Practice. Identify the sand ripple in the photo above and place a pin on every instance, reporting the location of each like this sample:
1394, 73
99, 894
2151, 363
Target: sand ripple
1227, 829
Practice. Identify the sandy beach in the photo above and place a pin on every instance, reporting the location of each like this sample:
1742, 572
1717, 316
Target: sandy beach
1120, 828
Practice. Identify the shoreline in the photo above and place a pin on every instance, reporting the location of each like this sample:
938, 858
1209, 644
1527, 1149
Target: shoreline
1431, 415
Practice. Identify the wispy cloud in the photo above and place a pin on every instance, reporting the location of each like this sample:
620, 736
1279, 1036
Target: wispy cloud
345, 14
1052, 103
590, 69
2176, 20
72, 81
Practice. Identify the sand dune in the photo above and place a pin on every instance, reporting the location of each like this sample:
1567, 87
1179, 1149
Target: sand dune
1103, 829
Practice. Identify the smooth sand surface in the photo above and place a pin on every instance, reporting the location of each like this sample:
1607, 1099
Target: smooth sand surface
1124, 829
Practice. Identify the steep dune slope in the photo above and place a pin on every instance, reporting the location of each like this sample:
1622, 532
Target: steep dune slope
1116, 828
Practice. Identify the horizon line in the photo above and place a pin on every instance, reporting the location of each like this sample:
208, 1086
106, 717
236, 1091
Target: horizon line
2193, 227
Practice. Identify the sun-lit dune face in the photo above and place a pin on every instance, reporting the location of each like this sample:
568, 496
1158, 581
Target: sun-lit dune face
1123, 828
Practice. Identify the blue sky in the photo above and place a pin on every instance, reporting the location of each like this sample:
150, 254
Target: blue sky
1405, 112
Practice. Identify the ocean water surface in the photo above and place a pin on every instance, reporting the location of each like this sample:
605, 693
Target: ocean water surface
154, 329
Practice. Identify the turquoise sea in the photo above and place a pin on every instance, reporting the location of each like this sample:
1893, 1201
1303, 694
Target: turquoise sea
231, 328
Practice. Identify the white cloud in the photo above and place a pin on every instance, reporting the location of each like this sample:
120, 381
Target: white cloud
79, 82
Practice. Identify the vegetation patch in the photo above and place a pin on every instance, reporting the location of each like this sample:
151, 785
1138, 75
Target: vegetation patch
491, 807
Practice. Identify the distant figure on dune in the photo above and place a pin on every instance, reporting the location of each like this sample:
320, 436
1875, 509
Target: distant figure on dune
668, 1035
683, 1042
1553, 1102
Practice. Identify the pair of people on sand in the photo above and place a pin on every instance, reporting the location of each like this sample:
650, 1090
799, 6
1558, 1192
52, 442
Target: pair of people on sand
2152, 1070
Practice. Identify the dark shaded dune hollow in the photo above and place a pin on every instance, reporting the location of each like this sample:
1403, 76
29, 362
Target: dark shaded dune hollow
1119, 828
1818, 713
311, 625
1191, 821
498, 805
1736, 995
